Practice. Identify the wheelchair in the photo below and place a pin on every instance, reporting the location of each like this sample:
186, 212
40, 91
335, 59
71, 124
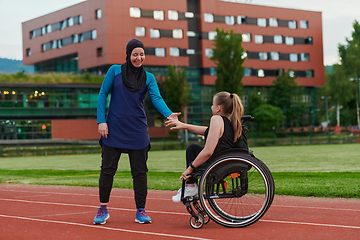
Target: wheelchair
235, 189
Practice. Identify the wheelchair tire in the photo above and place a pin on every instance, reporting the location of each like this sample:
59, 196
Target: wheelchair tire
236, 189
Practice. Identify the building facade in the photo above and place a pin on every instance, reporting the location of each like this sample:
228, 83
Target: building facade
92, 35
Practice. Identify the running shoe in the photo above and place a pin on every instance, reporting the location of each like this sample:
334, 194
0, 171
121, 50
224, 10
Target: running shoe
189, 192
142, 217
101, 216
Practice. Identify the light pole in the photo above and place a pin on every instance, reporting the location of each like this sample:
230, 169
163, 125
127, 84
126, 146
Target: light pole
357, 103
326, 108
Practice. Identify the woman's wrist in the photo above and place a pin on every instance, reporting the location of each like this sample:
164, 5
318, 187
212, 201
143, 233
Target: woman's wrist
192, 167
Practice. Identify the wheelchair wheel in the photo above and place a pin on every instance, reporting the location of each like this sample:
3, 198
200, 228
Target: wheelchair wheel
236, 189
197, 221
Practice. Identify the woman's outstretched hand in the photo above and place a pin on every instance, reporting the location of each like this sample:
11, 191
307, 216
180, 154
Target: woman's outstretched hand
174, 116
177, 123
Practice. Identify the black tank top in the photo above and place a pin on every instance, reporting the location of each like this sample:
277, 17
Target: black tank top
226, 141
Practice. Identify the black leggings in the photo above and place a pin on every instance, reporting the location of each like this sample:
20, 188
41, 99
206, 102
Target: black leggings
109, 165
192, 152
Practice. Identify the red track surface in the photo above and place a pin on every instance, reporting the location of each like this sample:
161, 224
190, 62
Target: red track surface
53, 212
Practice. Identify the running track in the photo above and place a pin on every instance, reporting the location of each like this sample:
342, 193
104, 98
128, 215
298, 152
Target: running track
59, 212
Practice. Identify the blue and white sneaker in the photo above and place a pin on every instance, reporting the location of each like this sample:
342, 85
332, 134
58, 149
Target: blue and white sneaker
142, 217
101, 216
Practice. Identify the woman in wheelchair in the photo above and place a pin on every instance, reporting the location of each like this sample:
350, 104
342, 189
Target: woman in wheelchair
224, 132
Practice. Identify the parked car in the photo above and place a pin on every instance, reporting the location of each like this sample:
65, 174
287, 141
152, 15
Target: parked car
192, 137
355, 130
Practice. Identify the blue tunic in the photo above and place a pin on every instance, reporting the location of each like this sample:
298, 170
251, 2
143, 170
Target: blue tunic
126, 117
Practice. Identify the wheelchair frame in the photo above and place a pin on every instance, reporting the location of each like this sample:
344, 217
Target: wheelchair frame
235, 189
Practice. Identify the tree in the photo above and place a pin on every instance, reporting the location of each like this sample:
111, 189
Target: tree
285, 94
268, 117
350, 59
254, 101
228, 55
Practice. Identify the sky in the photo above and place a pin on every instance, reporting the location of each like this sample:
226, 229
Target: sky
338, 18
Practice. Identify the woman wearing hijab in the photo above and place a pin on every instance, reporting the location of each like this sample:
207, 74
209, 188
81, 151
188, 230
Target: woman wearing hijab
125, 128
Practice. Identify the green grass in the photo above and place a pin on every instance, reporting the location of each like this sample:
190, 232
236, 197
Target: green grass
312, 170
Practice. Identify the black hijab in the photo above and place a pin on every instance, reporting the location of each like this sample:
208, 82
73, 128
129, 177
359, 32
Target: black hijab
134, 78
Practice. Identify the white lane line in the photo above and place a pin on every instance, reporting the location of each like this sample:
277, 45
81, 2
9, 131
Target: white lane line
312, 224
89, 206
102, 227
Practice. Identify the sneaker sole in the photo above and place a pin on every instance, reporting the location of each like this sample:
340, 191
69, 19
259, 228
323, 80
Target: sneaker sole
98, 223
138, 221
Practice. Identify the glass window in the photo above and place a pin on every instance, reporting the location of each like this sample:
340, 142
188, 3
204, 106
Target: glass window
291, 73
43, 30
70, 22
246, 37
212, 35
212, 71
261, 22
259, 39
261, 73
54, 44
190, 51
289, 40
208, 52
263, 56
247, 72
191, 34
274, 56
177, 33
160, 52
174, 52
98, 13
305, 57
278, 39
159, 15
173, 15
93, 34
293, 57
292, 24
135, 12
59, 43
48, 29
75, 38
154, 33
273, 22
208, 17
63, 25
189, 15
304, 24
241, 19
309, 73
99, 52
244, 55
28, 52
80, 19
140, 31
229, 20
308, 40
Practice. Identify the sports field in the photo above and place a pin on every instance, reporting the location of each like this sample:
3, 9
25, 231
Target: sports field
312, 170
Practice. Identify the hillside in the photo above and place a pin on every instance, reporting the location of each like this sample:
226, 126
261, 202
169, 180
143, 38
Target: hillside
13, 66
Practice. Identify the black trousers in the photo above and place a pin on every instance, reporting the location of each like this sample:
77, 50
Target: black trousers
109, 166
192, 152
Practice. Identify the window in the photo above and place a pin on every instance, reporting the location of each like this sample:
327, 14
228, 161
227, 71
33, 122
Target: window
261, 22
135, 12
241, 19
98, 13
229, 20
309, 73
189, 15
173, 15
159, 15
261, 73
63, 25
247, 72
212, 71
208, 17
160, 52
291, 73
212, 35
190, 51
246, 37
174, 52
304, 57
208, 52
28, 52
259, 39
177, 33
154, 33
93, 34
244, 55
59, 43
54, 44
75, 38
244, 100
274, 56
48, 29
70, 22
99, 52
293, 57
263, 56
308, 40
289, 40
43, 30
273, 22
140, 31
292, 24
191, 34
306, 98
278, 39
304, 24
79, 19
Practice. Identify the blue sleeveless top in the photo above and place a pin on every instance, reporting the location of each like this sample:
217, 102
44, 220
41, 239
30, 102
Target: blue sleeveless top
126, 119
